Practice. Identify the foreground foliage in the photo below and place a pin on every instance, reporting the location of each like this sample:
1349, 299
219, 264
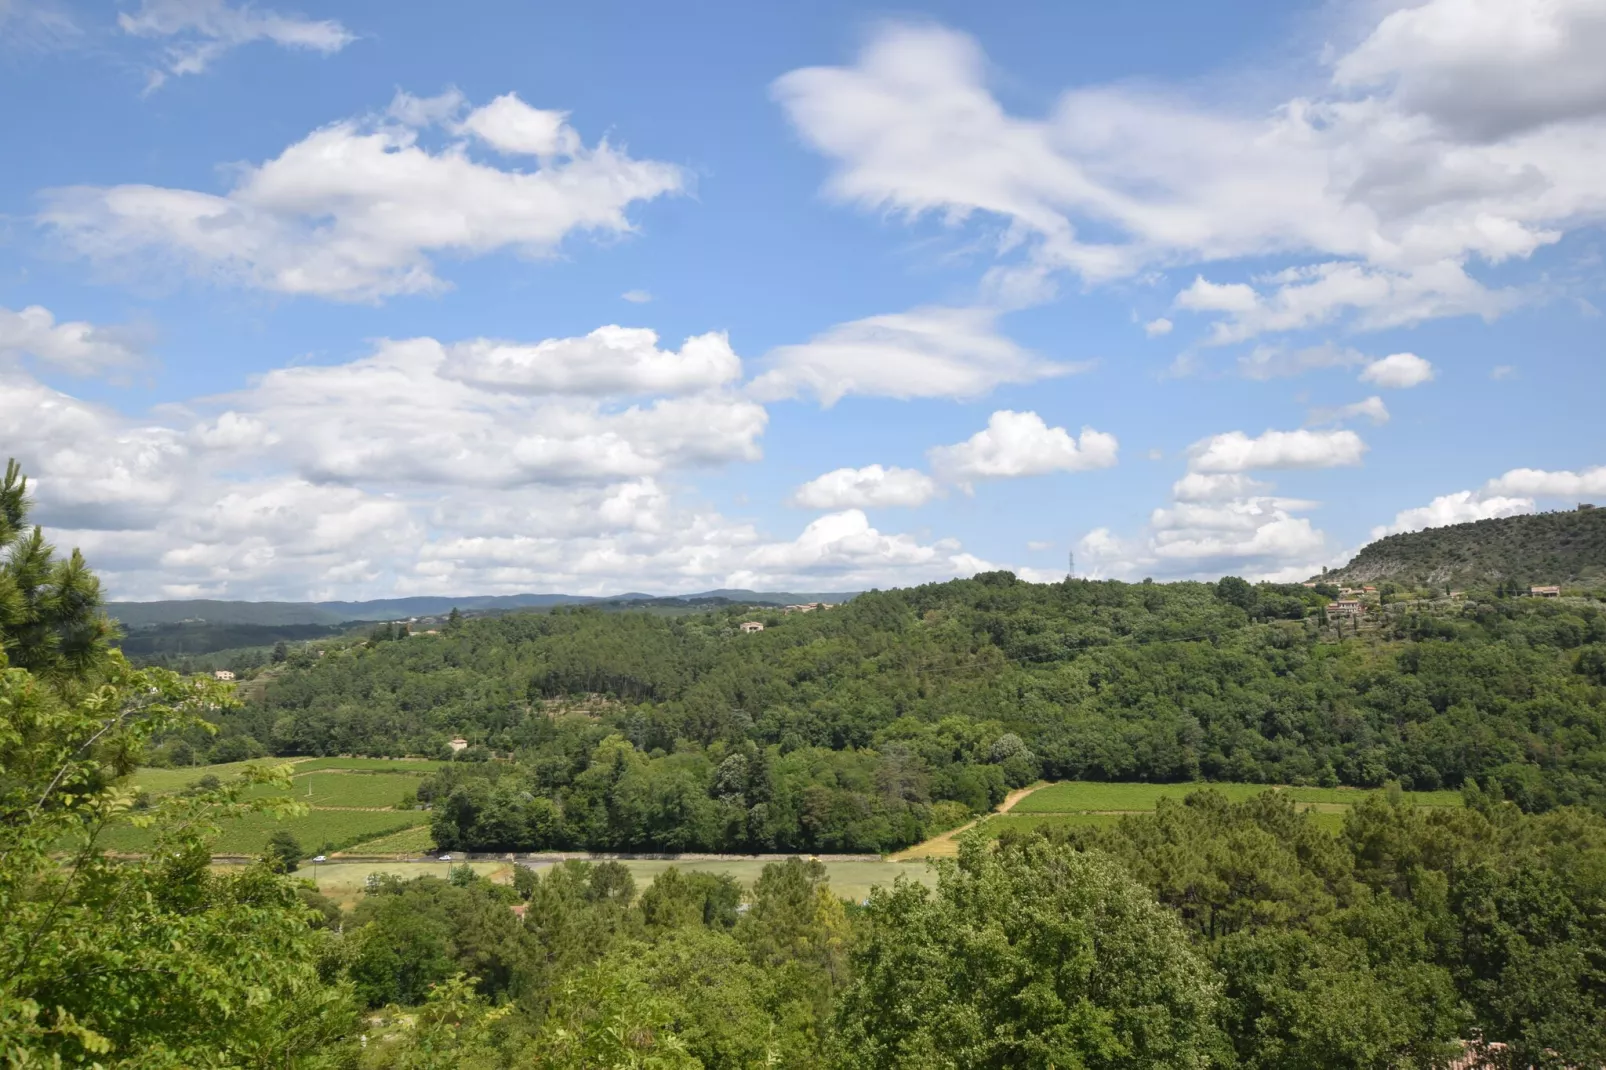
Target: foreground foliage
1034, 956
159, 963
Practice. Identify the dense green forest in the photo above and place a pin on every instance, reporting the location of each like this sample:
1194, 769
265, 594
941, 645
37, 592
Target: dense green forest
1208, 934
196, 637
1537, 548
868, 726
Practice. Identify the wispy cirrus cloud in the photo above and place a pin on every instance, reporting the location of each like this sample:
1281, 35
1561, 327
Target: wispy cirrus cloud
932, 352
1384, 190
199, 32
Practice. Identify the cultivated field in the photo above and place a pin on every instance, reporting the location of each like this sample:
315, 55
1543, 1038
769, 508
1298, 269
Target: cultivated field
162, 781
1074, 796
331, 788
320, 830
1082, 803
350, 800
410, 842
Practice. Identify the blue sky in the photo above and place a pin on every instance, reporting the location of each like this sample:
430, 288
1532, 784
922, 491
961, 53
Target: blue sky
354, 300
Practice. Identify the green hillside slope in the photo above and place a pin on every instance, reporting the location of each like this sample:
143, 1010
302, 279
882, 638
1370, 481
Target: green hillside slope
1541, 548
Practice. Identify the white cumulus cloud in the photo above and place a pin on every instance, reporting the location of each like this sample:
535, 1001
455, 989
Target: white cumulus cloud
1205, 487
1021, 444
357, 210
609, 360
1206, 296
1222, 521
1459, 508
1469, 65
511, 126
404, 415
1510, 494
1258, 537
1235, 451
866, 488
386, 476
1538, 483
1398, 371
74, 347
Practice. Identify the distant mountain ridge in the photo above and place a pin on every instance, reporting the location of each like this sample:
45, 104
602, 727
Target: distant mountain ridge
280, 614
1537, 548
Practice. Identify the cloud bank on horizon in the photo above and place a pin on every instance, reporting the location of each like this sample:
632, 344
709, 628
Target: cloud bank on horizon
1129, 264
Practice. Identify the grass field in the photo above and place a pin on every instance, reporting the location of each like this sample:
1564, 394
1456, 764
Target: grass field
396, 765
345, 882
162, 781
1084, 803
995, 826
1075, 796
344, 789
1329, 820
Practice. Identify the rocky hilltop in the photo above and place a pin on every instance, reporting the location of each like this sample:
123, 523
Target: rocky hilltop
1540, 548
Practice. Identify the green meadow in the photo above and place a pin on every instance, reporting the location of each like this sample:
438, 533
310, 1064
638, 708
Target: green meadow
1075, 796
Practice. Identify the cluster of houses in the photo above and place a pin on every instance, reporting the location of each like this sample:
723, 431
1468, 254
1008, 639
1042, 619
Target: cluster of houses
748, 627
1350, 602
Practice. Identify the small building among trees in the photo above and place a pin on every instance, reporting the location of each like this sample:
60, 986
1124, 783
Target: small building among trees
750, 626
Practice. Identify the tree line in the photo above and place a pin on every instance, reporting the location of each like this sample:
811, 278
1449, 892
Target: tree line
871, 725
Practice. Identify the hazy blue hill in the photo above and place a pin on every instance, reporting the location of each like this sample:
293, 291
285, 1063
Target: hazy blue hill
269, 614
280, 614
1540, 548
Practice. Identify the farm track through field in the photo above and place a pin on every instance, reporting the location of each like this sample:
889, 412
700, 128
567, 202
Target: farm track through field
360, 809
945, 845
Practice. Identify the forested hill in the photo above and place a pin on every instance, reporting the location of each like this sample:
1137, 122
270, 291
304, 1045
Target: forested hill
845, 729
1540, 548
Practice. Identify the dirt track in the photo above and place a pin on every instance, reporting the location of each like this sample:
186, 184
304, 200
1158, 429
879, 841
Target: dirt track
945, 845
